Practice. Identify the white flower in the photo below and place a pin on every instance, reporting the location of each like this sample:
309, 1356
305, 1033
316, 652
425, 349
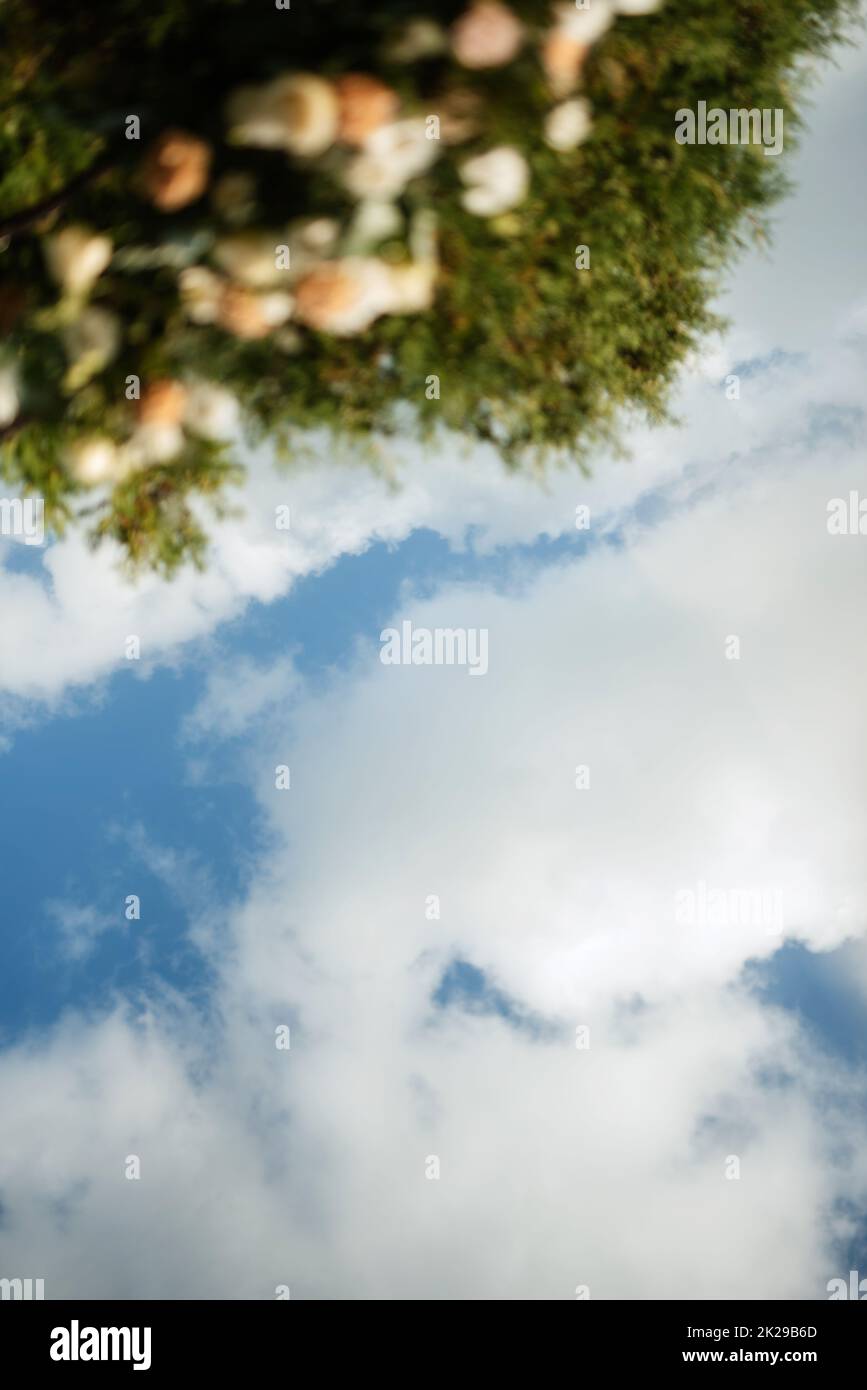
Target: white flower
201, 293
319, 234
421, 38
153, 443
251, 258
211, 411
584, 25
91, 342
568, 125
10, 402
95, 460
637, 6
276, 308
76, 258
297, 112
344, 297
390, 157
373, 223
496, 181
93, 337
412, 287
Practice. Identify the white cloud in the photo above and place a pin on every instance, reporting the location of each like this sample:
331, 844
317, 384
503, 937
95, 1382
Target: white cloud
238, 696
68, 626
559, 1166
79, 926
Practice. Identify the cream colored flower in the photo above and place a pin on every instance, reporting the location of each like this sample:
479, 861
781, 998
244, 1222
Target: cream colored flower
95, 460
345, 297
391, 156
320, 234
211, 411
365, 105
309, 242
276, 308
76, 257
496, 181
175, 170
585, 25
637, 6
373, 223
252, 258
201, 292
153, 443
91, 341
420, 38
412, 287
297, 112
10, 401
487, 35
568, 125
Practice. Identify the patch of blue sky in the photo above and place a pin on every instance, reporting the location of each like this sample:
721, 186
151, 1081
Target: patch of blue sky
93, 796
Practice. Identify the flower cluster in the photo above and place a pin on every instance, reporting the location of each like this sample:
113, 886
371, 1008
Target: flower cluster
316, 274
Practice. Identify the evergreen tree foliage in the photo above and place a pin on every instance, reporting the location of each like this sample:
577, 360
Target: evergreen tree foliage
143, 253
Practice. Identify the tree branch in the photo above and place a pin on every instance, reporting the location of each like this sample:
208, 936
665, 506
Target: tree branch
22, 221
11, 429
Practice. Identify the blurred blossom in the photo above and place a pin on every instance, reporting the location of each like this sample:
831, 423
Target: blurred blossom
76, 257
250, 257
162, 402
637, 6
487, 35
584, 26
94, 460
412, 287
496, 181
153, 443
175, 171
391, 156
421, 38
373, 223
211, 411
345, 297
9, 399
365, 105
91, 341
249, 315
201, 291
563, 58
296, 112
568, 125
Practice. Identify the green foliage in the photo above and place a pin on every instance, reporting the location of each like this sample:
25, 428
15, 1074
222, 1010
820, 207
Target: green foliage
533, 355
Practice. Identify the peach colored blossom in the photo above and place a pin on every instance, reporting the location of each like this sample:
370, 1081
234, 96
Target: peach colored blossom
487, 35
175, 170
365, 105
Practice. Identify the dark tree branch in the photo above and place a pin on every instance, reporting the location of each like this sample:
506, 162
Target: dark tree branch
21, 221
10, 430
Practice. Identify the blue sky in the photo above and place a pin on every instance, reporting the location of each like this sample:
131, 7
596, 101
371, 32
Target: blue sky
452, 1036
118, 769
